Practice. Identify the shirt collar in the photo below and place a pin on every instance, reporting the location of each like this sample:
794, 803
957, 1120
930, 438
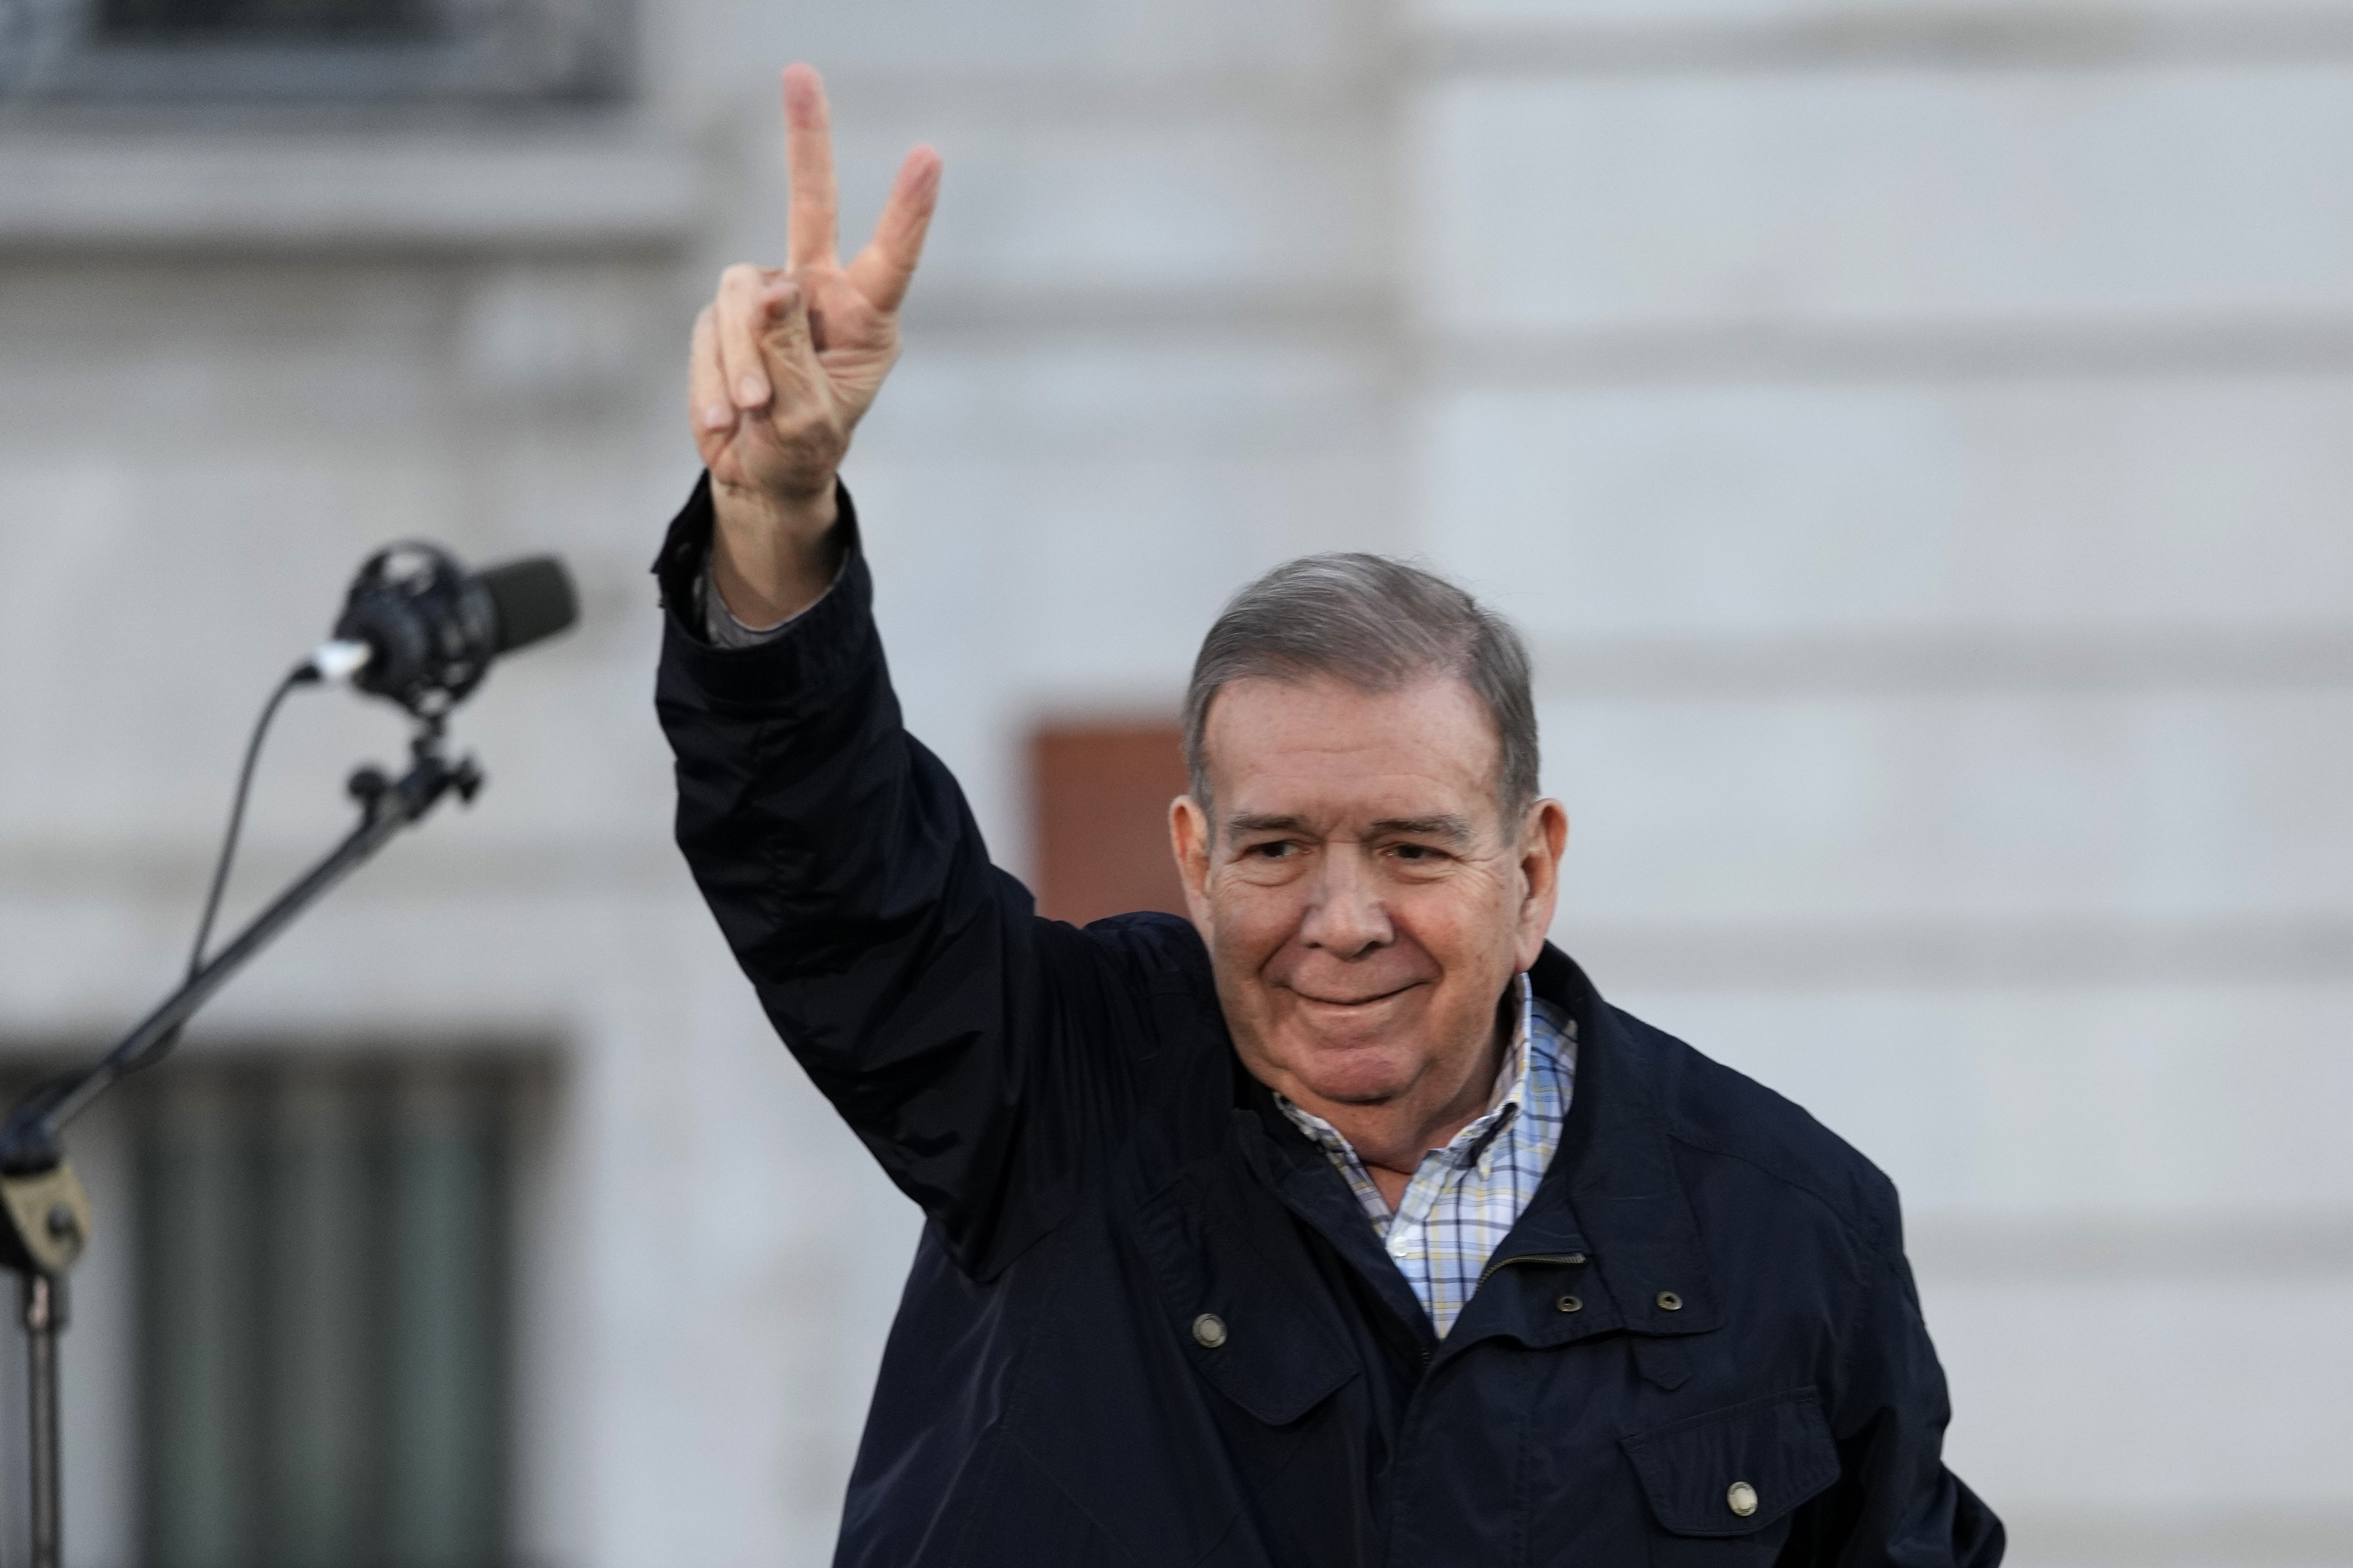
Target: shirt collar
1511, 1073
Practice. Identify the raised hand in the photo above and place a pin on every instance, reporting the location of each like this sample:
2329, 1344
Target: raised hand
785, 360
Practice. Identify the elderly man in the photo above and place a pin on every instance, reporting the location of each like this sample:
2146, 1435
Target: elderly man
1342, 1224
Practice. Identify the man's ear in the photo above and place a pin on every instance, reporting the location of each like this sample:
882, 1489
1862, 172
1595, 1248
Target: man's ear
1188, 838
1544, 839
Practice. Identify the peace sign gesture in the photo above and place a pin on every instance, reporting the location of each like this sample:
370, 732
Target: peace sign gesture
785, 360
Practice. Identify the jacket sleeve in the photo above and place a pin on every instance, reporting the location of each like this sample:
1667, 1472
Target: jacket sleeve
1895, 1504
971, 1045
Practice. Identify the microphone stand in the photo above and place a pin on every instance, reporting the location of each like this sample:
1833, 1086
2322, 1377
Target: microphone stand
47, 1215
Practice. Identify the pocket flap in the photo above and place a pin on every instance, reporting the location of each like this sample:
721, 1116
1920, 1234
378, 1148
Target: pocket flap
1731, 1471
1241, 1325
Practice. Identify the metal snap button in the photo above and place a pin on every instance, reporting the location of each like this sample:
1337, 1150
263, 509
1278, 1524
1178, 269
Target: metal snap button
1570, 1304
1209, 1330
1670, 1302
1742, 1499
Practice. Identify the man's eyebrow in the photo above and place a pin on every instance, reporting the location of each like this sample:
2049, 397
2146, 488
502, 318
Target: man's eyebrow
1454, 829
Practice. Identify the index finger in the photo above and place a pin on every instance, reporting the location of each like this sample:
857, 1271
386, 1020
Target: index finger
808, 164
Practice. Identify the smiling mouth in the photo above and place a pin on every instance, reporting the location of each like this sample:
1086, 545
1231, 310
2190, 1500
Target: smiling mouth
1353, 1001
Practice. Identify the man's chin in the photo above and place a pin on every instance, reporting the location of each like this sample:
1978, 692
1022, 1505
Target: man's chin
1353, 1073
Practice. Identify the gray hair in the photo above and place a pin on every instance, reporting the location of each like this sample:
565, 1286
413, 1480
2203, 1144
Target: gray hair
1376, 624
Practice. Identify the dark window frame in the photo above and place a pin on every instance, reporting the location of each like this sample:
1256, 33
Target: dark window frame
420, 1266
429, 1410
447, 51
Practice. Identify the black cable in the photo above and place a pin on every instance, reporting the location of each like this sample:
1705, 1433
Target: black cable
301, 675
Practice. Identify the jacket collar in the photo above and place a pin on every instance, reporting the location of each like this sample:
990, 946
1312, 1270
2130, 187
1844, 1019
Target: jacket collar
1613, 1180
1608, 1242
1303, 1177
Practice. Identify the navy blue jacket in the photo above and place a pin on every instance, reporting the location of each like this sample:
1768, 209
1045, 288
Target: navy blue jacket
1706, 1301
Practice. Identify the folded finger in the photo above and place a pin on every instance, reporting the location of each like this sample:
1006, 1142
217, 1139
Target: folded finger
739, 322
707, 403
788, 348
887, 265
810, 236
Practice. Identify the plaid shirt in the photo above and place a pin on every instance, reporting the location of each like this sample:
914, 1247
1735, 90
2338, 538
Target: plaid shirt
1464, 1198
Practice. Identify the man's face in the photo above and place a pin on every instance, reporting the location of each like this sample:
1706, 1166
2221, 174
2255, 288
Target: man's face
1364, 904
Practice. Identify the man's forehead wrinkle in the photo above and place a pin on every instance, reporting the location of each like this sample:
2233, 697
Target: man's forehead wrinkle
1317, 759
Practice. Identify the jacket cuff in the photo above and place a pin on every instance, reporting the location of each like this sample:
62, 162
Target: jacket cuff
807, 657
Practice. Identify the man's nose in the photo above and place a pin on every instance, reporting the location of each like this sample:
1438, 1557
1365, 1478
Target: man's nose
1349, 915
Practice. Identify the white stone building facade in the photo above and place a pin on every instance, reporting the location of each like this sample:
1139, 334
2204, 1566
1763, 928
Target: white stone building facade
1915, 438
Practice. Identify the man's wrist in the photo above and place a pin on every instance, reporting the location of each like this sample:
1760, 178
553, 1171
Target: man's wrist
773, 556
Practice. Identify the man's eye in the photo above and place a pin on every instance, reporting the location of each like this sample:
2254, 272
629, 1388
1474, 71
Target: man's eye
1414, 852
1276, 850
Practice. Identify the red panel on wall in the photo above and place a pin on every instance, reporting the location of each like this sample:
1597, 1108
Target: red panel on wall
1102, 792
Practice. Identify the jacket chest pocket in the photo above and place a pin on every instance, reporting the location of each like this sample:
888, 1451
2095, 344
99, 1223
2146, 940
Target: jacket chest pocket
1722, 1485
1245, 1328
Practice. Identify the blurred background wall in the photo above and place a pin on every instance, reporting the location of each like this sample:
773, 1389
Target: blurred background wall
1914, 435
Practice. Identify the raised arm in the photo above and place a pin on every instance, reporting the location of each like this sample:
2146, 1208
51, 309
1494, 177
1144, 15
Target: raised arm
975, 1048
